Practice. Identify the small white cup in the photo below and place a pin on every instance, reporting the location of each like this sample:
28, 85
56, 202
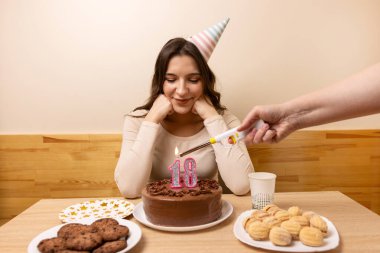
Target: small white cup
262, 188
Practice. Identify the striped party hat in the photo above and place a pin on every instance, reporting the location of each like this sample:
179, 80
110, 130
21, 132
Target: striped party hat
206, 40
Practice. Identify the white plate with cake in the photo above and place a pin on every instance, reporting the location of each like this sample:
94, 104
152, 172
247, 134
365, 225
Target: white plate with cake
139, 214
134, 234
330, 241
182, 209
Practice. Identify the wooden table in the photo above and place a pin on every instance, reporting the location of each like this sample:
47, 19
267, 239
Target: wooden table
359, 228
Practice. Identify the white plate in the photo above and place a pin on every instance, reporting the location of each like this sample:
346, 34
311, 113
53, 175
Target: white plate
133, 239
98, 208
331, 241
139, 214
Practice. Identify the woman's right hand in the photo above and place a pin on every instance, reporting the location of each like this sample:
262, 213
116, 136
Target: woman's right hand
160, 109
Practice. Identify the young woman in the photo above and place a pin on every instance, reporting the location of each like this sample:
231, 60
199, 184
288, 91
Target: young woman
183, 111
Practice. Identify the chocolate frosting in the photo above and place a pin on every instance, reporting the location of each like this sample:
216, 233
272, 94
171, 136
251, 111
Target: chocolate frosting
162, 188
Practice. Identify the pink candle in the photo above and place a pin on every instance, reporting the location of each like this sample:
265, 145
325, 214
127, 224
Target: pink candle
190, 178
190, 173
175, 170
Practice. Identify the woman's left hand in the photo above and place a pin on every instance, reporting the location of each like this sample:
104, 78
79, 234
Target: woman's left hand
204, 108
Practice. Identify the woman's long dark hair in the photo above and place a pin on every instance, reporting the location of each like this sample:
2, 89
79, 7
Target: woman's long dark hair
175, 47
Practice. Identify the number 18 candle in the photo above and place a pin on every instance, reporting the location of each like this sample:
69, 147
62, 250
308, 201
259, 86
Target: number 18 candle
190, 179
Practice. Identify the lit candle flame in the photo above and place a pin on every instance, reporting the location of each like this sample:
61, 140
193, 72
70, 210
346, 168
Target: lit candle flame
176, 152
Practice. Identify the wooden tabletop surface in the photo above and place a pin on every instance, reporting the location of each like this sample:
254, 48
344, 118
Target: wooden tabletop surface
358, 227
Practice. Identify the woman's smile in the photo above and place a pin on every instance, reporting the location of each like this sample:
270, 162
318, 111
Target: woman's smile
182, 101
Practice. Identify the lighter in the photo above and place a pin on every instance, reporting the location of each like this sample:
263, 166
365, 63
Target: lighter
233, 135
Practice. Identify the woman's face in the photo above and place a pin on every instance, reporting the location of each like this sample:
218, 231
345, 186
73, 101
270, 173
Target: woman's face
183, 84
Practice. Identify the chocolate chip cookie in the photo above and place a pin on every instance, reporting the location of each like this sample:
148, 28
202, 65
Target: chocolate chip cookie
84, 241
105, 222
71, 251
112, 233
111, 247
51, 245
72, 229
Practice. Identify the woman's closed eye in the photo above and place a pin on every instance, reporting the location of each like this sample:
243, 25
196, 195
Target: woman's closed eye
194, 80
170, 80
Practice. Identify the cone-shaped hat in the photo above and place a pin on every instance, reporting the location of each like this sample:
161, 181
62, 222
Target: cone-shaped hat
207, 40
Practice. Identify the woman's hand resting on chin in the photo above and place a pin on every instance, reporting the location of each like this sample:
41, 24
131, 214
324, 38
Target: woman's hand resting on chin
161, 108
204, 108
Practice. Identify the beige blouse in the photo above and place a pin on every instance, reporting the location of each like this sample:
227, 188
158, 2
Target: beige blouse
148, 150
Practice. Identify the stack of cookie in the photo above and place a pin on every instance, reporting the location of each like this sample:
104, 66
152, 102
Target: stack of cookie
102, 236
281, 226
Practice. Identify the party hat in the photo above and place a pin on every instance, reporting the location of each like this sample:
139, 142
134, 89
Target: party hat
206, 40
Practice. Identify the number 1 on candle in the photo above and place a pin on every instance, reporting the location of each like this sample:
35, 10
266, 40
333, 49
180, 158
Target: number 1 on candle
175, 170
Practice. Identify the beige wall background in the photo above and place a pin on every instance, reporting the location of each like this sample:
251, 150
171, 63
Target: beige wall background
78, 66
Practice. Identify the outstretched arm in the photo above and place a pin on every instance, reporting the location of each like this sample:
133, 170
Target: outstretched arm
358, 95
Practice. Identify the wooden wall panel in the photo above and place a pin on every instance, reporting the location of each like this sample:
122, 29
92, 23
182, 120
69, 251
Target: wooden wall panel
347, 161
62, 166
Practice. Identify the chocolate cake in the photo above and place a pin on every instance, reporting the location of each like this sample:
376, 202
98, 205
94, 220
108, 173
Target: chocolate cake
184, 206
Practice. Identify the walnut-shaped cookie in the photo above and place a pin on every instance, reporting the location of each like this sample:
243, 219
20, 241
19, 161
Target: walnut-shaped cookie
293, 227
295, 211
273, 210
258, 231
308, 214
317, 222
280, 236
302, 220
259, 214
272, 221
247, 221
282, 215
311, 236
267, 207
